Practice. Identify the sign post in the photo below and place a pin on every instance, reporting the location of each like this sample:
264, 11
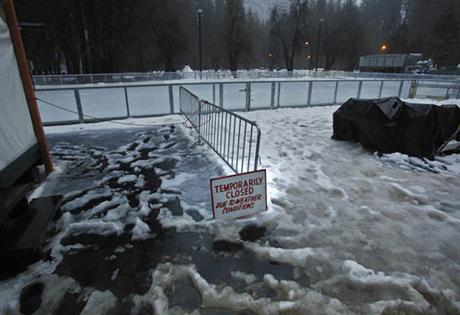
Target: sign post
239, 195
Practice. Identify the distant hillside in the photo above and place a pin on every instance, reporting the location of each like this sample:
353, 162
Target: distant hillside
262, 7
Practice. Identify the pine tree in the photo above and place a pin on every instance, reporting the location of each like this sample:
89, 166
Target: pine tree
235, 35
446, 38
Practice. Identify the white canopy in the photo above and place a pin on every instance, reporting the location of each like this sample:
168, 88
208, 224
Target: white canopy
16, 130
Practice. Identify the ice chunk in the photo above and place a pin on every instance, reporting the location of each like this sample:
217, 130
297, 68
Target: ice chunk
94, 227
141, 230
99, 303
127, 179
247, 278
295, 257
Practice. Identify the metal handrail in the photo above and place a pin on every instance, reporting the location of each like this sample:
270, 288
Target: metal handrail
74, 79
271, 80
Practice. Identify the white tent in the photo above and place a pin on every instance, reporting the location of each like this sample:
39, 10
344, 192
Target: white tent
20, 148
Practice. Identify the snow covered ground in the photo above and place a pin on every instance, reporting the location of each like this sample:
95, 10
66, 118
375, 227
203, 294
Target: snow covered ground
372, 232
347, 231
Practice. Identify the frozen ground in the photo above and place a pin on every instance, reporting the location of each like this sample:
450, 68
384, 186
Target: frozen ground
347, 231
373, 232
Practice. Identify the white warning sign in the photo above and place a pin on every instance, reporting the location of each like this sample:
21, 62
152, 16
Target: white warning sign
239, 195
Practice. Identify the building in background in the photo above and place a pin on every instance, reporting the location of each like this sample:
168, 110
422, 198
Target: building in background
394, 63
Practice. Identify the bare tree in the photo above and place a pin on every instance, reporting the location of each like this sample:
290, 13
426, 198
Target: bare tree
143, 35
235, 36
288, 27
446, 35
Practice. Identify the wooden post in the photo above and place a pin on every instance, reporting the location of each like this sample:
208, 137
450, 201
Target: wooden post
27, 83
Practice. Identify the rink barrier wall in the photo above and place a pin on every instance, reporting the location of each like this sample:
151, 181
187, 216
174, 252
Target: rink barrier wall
70, 79
90, 103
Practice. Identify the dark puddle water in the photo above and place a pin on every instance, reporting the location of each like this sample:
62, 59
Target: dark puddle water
95, 265
124, 267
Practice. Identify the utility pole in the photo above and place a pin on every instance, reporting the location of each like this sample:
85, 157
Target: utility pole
318, 43
270, 58
307, 43
200, 13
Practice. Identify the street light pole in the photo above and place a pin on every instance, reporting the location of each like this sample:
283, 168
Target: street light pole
200, 12
270, 57
318, 43
306, 48
384, 48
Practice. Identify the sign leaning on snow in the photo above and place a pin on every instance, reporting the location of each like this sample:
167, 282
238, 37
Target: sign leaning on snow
239, 195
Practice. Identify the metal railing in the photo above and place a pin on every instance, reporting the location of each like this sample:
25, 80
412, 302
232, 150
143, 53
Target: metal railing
82, 104
407, 76
234, 138
97, 78
87, 103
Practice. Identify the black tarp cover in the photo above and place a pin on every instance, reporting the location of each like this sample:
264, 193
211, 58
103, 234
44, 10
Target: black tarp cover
391, 125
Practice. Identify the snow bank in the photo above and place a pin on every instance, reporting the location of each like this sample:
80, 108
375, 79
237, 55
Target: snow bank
298, 300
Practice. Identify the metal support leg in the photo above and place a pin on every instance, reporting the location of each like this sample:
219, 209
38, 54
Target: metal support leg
413, 89
199, 122
248, 97
79, 108
360, 87
171, 99
127, 102
213, 93
400, 88
279, 95
336, 91
381, 89
221, 95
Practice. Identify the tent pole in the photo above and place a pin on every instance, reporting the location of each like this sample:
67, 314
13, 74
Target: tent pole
27, 83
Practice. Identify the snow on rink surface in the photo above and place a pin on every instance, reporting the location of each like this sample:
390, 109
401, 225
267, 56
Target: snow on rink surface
364, 234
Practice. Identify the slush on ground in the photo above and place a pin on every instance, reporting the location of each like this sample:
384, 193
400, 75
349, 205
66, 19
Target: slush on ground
346, 232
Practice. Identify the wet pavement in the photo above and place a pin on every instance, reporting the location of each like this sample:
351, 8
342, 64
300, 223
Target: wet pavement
131, 175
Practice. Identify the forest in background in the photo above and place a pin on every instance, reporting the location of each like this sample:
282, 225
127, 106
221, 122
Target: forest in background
104, 36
